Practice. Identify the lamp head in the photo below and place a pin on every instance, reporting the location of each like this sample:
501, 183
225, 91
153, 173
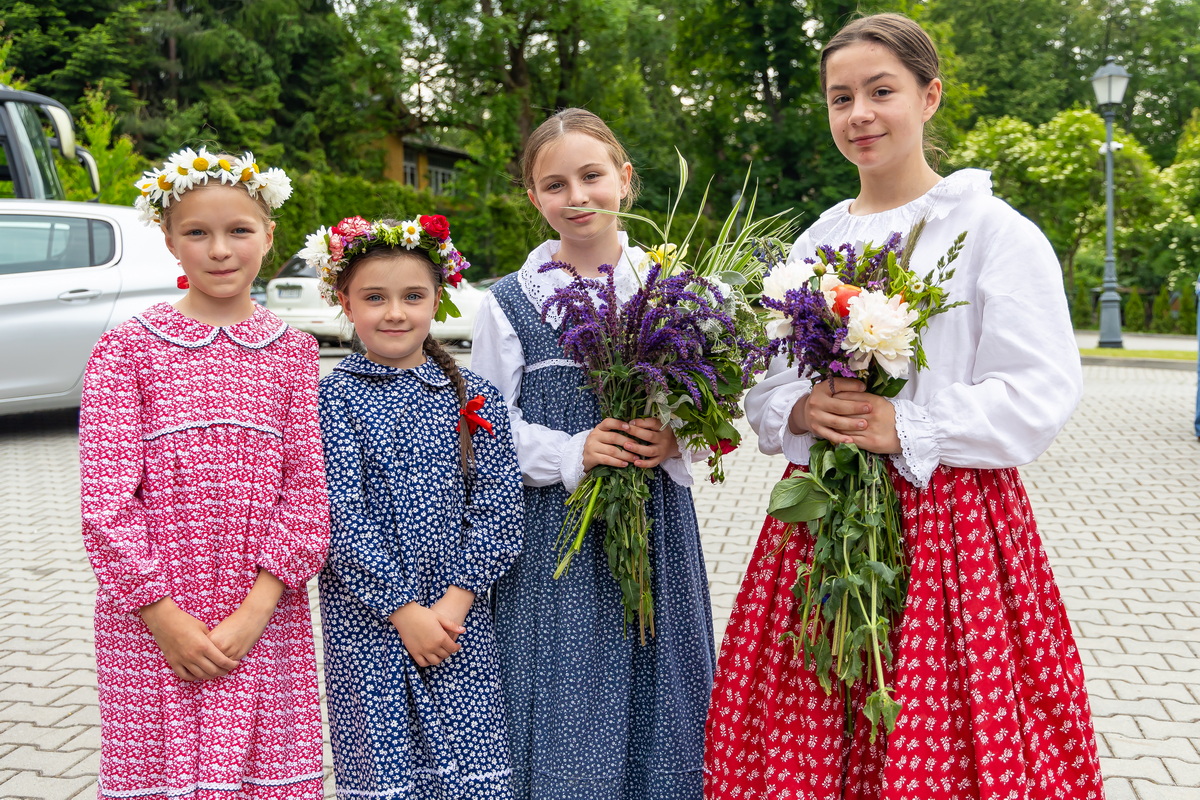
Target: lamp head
1109, 82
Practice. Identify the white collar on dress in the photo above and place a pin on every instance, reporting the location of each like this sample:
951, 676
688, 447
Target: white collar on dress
838, 225
538, 286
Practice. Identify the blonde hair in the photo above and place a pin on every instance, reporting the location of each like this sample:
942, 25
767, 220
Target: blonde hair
576, 120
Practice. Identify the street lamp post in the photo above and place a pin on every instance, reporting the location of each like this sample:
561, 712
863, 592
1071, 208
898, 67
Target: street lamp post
1109, 83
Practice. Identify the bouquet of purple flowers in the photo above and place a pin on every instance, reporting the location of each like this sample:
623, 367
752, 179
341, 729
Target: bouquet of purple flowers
857, 315
683, 349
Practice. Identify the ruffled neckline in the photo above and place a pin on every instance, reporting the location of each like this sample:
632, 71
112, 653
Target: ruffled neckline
169, 323
538, 286
838, 225
428, 373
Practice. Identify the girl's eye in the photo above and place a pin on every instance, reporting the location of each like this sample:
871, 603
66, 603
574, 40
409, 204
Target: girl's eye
240, 230
414, 297
591, 176
883, 92
554, 187
838, 100
374, 298
194, 232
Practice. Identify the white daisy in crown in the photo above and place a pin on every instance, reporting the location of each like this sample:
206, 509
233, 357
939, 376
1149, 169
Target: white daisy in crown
188, 168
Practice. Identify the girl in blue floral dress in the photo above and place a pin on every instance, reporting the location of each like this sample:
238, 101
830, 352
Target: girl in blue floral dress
593, 713
426, 514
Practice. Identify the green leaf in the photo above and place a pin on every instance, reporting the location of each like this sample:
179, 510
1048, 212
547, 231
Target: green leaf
798, 500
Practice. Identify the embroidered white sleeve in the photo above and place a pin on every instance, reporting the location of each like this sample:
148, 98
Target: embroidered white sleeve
919, 451
570, 467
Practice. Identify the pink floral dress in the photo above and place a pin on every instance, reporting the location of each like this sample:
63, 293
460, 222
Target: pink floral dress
201, 464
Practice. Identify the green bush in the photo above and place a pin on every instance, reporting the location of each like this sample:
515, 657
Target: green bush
1187, 309
1135, 312
1082, 315
1161, 319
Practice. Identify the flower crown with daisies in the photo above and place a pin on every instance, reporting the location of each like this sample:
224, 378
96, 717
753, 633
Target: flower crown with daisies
190, 168
330, 249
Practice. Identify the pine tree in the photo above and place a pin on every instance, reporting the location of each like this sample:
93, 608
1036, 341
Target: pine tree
1135, 311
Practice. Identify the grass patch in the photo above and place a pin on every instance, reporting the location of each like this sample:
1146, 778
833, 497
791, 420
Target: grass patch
1117, 352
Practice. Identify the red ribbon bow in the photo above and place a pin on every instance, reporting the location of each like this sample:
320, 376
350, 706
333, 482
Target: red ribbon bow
474, 421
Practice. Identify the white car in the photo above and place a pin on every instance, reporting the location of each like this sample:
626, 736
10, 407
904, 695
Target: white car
294, 297
69, 272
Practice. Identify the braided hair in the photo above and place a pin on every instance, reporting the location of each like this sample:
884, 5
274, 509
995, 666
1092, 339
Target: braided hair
431, 347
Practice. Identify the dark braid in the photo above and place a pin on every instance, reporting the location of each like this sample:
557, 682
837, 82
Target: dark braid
466, 451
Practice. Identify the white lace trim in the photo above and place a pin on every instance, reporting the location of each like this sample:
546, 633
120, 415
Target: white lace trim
908, 461
552, 362
838, 225
411, 785
208, 424
538, 286
253, 346
211, 336
184, 791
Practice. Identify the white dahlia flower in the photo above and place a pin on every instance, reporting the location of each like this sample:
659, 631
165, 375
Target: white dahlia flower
880, 327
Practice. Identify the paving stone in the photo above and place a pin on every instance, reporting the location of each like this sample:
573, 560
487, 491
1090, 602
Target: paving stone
1154, 791
31, 786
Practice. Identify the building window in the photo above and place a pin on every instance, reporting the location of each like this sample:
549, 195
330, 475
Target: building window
410, 170
439, 179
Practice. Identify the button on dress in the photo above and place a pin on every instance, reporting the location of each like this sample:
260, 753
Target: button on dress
201, 464
403, 531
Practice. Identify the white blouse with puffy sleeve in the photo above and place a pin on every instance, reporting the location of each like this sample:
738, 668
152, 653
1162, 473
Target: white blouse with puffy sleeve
1004, 373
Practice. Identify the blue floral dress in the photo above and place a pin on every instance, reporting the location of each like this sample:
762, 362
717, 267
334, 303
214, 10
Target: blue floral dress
403, 532
593, 714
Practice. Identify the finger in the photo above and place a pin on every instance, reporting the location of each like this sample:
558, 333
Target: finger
611, 424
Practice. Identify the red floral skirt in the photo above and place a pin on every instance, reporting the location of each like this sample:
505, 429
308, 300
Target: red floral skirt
994, 704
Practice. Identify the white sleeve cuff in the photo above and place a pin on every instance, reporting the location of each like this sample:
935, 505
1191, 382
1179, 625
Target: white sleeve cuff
570, 467
919, 452
679, 468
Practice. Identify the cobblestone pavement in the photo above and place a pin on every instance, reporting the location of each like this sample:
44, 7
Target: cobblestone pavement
1117, 498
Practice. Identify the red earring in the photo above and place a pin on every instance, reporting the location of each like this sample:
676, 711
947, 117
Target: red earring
181, 281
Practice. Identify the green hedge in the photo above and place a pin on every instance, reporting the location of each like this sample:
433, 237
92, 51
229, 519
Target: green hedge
494, 232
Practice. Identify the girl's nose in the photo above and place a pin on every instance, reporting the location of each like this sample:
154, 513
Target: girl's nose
861, 111
218, 249
579, 195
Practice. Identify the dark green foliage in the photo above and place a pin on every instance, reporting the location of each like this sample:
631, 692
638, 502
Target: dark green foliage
1161, 319
1082, 315
1134, 312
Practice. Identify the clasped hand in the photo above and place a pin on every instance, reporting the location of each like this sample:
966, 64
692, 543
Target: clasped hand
842, 411
430, 635
643, 442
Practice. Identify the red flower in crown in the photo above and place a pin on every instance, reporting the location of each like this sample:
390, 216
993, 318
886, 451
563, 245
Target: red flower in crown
351, 227
436, 226
455, 279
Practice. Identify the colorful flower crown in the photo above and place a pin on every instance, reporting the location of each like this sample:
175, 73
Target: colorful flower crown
329, 249
189, 168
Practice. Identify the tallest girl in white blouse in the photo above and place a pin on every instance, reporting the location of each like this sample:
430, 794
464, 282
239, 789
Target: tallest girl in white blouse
986, 668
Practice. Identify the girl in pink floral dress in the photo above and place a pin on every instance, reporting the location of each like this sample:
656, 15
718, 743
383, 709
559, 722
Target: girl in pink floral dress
204, 511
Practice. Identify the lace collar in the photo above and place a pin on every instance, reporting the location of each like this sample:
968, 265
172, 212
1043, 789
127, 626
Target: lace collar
167, 322
538, 286
428, 373
839, 225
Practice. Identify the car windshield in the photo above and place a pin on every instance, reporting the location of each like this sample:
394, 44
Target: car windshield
297, 268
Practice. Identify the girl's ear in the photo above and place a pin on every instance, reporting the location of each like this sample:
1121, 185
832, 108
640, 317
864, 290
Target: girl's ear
167, 237
270, 236
626, 178
344, 302
533, 199
933, 99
